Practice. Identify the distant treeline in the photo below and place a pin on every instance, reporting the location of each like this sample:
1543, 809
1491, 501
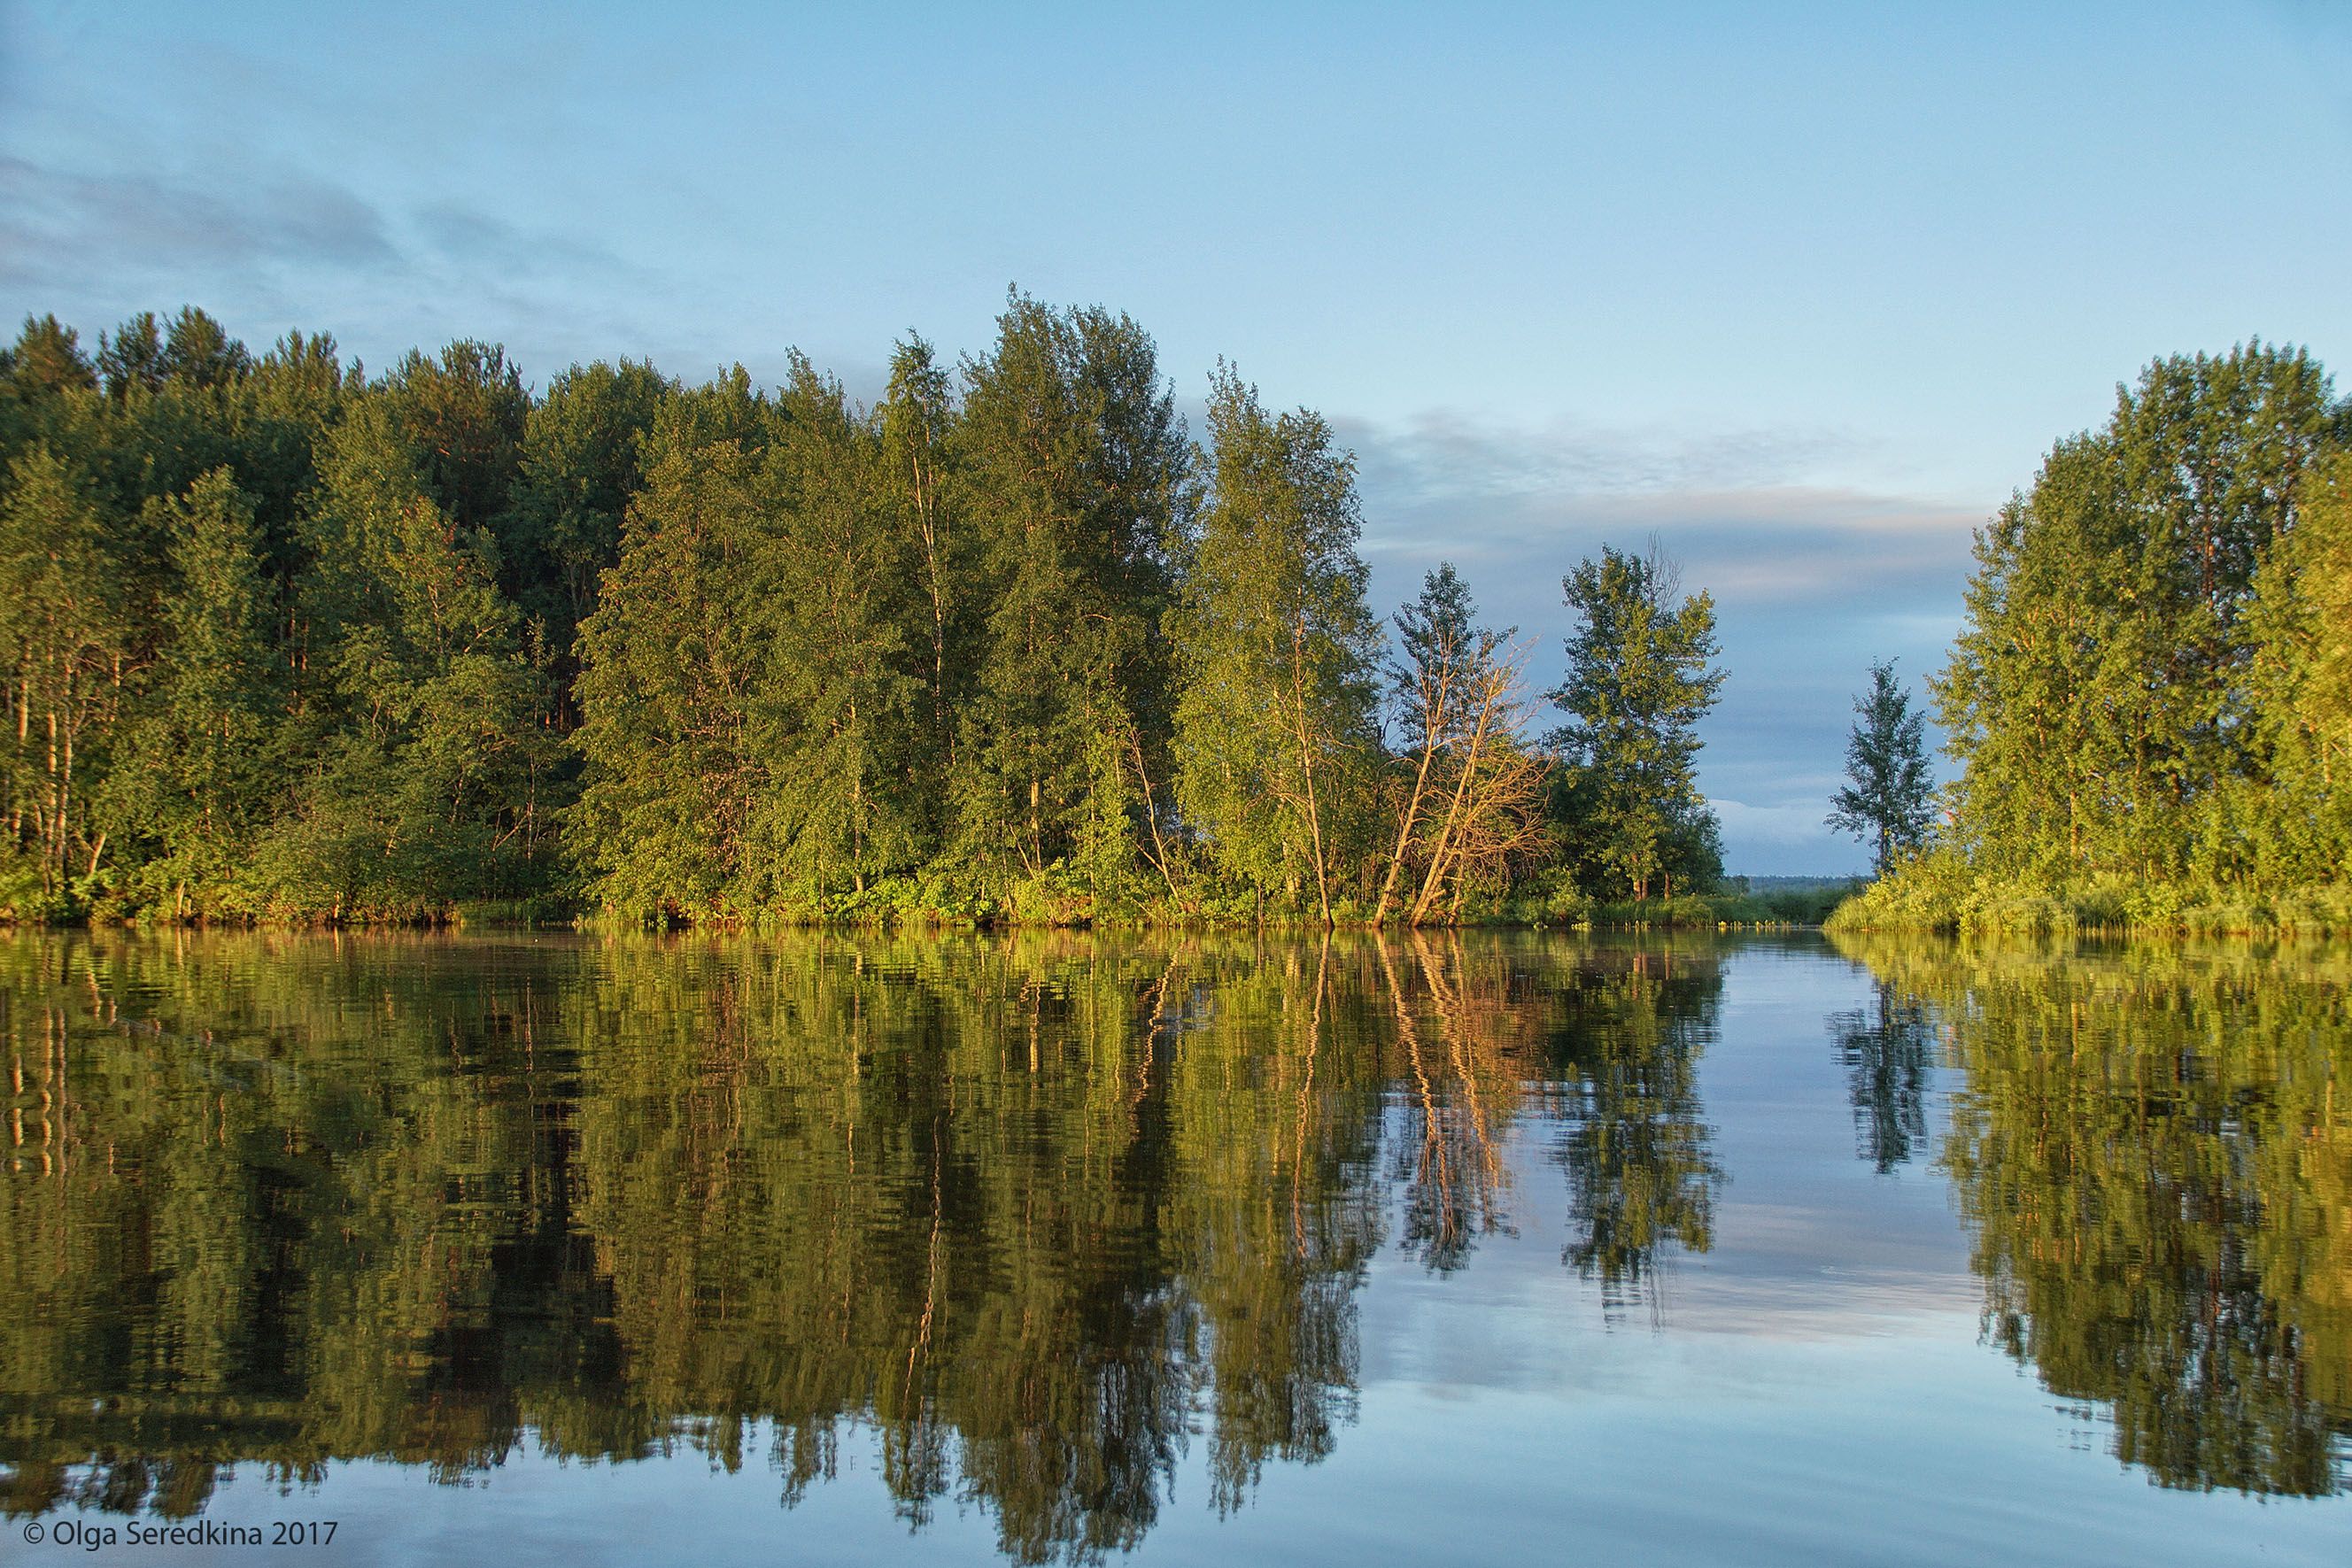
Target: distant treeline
2152, 695
284, 640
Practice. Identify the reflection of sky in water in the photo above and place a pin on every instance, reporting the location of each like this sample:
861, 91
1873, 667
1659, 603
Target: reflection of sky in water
1810, 1244
1813, 1389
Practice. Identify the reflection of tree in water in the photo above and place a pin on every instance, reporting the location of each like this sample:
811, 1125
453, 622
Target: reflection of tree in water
2156, 1156
1636, 1148
1888, 1049
1464, 1036
1026, 1214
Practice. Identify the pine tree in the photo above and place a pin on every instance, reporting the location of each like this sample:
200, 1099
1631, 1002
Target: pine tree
1887, 803
463, 415
48, 359
132, 358
1472, 795
198, 352
1639, 680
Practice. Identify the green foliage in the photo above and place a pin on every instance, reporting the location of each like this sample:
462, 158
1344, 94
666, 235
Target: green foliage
67, 623
2147, 696
288, 643
426, 789
1078, 475
1943, 890
47, 360
204, 765
2098, 696
1277, 719
1639, 679
836, 709
461, 417
668, 655
577, 467
1885, 802
2299, 689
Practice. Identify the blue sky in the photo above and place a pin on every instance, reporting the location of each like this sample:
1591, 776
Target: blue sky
1805, 291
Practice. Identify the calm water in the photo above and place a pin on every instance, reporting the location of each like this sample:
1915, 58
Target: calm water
851, 1249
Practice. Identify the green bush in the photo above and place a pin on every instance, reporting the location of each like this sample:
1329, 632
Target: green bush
1939, 892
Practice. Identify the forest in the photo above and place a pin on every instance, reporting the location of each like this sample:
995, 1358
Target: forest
2150, 698
289, 641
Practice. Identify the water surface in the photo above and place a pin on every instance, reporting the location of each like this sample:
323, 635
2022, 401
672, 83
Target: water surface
1068, 1247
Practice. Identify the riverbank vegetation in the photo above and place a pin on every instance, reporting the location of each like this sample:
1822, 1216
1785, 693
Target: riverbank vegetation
288, 641
285, 641
2151, 697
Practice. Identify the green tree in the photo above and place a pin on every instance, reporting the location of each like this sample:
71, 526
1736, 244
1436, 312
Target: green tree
432, 747
671, 779
67, 636
919, 430
837, 711
2097, 696
46, 359
1078, 471
1885, 803
577, 467
463, 415
132, 361
205, 771
198, 350
1277, 719
2300, 686
1639, 680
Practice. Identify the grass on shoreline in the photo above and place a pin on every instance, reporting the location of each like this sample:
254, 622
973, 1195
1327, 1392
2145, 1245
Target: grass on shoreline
1939, 892
1773, 908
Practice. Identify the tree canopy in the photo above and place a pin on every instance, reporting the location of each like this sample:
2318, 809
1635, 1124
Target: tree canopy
1885, 801
2145, 698
289, 641
1640, 677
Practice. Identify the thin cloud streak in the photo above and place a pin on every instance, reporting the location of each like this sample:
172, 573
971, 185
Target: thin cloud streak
53, 221
1814, 576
